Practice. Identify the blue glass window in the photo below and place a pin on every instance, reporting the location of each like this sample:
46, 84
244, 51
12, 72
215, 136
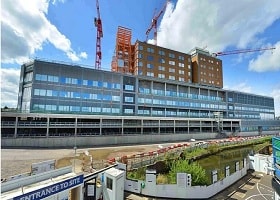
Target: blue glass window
63, 108
76, 95
107, 97
62, 80
62, 94
150, 58
75, 108
38, 77
85, 109
150, 66
51, 107
49, 93
36, 92
99, 97
94, 96
161, 60
115, 98
141, 100
160, 52
140, 64
100, 84
50, 78
115, 110
43, 77
148, 101
86, 96
74, 81
129, 99
129, 87
54, 93
90, 83
85, 82
116, 86
106, 110
128, 111
96, 109
68, 80
150, 50
42, 92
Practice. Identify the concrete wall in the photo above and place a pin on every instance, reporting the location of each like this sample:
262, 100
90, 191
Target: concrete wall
70, 142
101, 140
262, 163
10, 185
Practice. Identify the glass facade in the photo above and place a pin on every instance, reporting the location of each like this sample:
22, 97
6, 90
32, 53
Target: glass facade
60, 88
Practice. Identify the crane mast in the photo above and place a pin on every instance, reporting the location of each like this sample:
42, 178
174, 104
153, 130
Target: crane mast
238, 51
99, 35
154, 24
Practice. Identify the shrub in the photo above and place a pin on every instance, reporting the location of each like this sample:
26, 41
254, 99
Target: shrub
182, 166
162, 179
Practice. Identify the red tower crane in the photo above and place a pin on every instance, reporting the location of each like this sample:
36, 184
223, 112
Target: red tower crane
99, 35
154, 24
238, 51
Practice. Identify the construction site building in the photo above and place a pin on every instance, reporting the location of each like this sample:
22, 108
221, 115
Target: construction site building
144, 59
207, 69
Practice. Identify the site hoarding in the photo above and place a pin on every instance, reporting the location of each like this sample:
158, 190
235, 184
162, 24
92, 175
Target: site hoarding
37, 168
276, 155
59, 190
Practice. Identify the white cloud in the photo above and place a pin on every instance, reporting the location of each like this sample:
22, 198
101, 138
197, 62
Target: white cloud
54, 2
9, 87
217, 24
241, 87
83, 55
25, 28
267, 61
276, 94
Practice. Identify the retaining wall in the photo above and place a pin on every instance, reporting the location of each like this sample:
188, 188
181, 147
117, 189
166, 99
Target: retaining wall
70, 142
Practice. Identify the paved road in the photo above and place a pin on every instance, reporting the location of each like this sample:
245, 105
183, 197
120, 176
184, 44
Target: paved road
254, 186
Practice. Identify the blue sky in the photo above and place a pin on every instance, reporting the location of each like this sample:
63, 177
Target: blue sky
63, 30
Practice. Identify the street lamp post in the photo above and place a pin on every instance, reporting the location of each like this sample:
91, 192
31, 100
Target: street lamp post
75, 149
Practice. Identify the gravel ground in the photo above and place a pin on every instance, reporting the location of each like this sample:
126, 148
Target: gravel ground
18, 161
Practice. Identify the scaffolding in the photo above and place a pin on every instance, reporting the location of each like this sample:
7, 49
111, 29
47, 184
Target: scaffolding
122, 60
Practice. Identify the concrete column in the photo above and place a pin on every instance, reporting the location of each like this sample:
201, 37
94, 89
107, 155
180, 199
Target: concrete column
188, 126
100, 127
16, 126
48, 126
122, 126
174, 124
76, 124
142, 126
